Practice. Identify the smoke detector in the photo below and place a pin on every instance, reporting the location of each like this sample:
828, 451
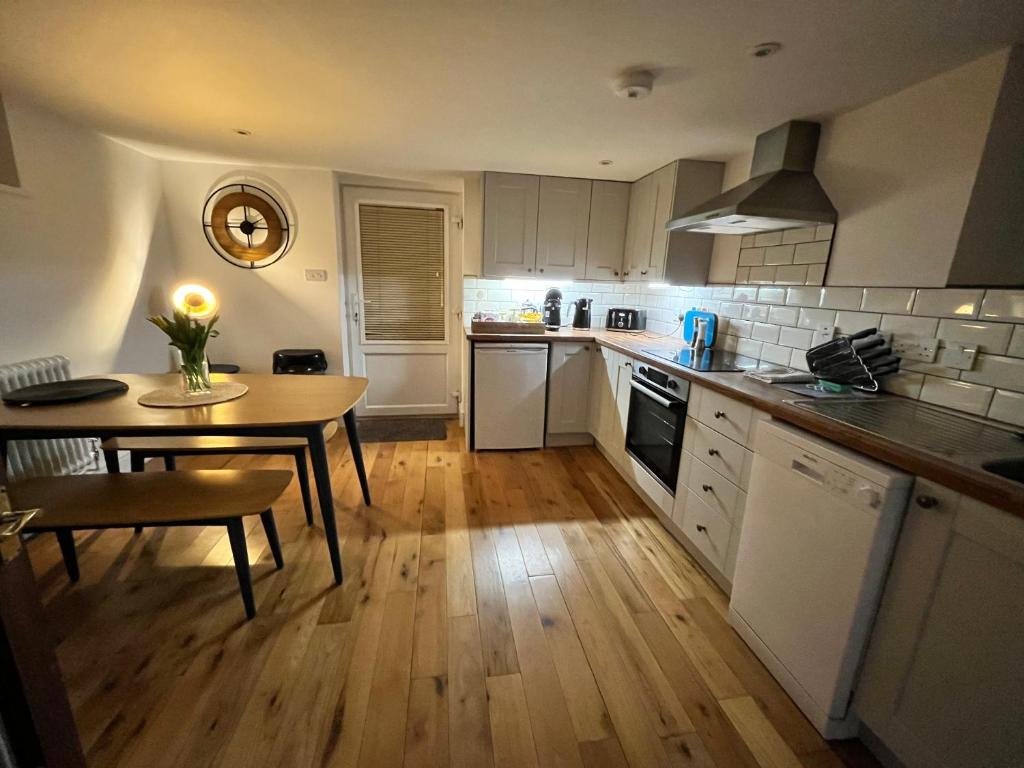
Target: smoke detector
635, 84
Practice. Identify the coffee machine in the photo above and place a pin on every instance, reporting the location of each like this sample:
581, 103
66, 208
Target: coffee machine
553, 309
581, 313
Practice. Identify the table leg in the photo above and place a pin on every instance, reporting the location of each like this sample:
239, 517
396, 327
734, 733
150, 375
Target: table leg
322, 478
357, 454
110, 458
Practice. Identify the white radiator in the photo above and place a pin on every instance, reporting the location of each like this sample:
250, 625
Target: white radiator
29, 458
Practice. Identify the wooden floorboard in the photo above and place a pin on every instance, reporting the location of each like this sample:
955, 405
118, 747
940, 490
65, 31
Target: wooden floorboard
499, 609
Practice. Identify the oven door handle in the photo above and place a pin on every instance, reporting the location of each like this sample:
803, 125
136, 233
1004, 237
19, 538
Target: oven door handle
655, 396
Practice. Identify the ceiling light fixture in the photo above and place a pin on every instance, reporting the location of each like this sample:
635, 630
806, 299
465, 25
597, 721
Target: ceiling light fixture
764, 50
634, 84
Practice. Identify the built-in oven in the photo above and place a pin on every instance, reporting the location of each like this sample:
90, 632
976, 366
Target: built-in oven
654, 429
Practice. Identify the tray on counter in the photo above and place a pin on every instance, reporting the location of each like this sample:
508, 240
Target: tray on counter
505, 326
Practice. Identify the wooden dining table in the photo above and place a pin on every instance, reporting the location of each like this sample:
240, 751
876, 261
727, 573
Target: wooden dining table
274, 406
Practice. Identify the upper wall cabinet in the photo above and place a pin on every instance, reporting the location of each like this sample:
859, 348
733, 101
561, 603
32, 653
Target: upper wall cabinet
609, 207
652, 253
562, 224
510, 224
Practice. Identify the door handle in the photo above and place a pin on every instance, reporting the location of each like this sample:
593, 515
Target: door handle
702, 529
656, 398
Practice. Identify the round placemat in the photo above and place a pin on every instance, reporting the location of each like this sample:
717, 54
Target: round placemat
173, 397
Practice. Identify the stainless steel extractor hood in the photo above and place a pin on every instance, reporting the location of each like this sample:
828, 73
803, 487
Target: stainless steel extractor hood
782, 192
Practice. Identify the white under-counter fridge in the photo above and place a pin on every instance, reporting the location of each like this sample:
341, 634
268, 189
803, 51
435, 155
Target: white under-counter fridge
509, 395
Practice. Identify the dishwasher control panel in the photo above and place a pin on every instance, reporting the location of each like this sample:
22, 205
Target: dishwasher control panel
838, 481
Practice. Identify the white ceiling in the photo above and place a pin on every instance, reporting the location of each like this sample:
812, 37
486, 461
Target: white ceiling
438, 86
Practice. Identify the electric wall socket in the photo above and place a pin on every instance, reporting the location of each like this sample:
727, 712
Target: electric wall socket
953, 355
919, 348
316, 275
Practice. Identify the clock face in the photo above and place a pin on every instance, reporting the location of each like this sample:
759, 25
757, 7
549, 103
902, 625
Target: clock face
246, 225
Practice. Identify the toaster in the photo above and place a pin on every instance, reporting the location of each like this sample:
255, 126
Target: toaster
628, 320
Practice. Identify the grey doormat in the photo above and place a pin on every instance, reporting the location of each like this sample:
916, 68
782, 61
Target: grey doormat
396, 430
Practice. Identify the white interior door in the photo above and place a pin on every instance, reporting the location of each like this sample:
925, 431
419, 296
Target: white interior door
403, 266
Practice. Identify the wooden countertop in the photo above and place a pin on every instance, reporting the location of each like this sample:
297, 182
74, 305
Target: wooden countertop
962, 474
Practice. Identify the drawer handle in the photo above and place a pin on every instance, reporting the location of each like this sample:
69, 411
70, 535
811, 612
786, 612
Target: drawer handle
719, 414
702, 529
927, 502
713, 452
707, 488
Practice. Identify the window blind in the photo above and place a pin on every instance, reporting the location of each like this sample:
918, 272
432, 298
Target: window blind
401, 251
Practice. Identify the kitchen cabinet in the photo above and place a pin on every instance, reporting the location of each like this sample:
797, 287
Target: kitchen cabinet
711, 492
606, 238
603, 378
654, 254
569, 388
511, 203
941, 685
563, 222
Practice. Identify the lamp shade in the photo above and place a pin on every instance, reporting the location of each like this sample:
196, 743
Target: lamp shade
196, 301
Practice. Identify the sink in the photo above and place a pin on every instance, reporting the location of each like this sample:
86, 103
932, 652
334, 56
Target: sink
1011, 469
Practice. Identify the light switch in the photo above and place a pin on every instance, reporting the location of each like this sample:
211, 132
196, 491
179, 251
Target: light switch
316, 275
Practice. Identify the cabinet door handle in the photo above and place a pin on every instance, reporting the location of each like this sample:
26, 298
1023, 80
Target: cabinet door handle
707, 488
702, 529
713, 452
719, 414
616, 273
926, 502
541, 269
529, 269
643, 271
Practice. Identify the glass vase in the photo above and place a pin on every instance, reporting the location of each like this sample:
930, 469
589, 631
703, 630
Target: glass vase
195, 378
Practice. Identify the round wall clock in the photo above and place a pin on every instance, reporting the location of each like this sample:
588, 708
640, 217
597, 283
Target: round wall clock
246, 225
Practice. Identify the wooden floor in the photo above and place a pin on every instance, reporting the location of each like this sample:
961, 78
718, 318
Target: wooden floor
506, 609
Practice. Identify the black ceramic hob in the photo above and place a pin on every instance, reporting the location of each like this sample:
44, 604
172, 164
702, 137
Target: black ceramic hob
707, 360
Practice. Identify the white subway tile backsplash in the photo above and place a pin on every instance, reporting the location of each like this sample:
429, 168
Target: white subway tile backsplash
851, 322
749, 347
993, 338
1016, 348
730, 309
791, 274
751, 257
755, 312
742, 275
996, 371
776, 354
815, 274
778, 324
888, 301
824, 231
747, 240
960, 395
803, 297
903, 325
778, 254
1008, 407
762, 274
811, 253
766, 332
942, 302
800, 338
841, 298
802, 235
816, 318
771, 294
784, 315
1003, 305
904, 383
768, 238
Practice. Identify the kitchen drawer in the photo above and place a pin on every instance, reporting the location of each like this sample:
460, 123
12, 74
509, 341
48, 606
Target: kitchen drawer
730, 417
648, 484
717, 492
707, 529
717, 451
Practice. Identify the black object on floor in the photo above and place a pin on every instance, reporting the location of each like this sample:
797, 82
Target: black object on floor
396, 430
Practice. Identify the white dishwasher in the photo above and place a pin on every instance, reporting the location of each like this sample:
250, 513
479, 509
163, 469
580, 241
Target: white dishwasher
509, 395
818, 533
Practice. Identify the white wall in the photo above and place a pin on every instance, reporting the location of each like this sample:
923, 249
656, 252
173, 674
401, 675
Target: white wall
900, 172
263, 309
83, 248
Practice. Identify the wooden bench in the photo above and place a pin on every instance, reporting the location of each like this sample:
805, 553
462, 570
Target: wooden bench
163, 499
167, 448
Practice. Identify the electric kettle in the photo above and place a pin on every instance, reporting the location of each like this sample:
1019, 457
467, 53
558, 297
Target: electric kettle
581, 313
